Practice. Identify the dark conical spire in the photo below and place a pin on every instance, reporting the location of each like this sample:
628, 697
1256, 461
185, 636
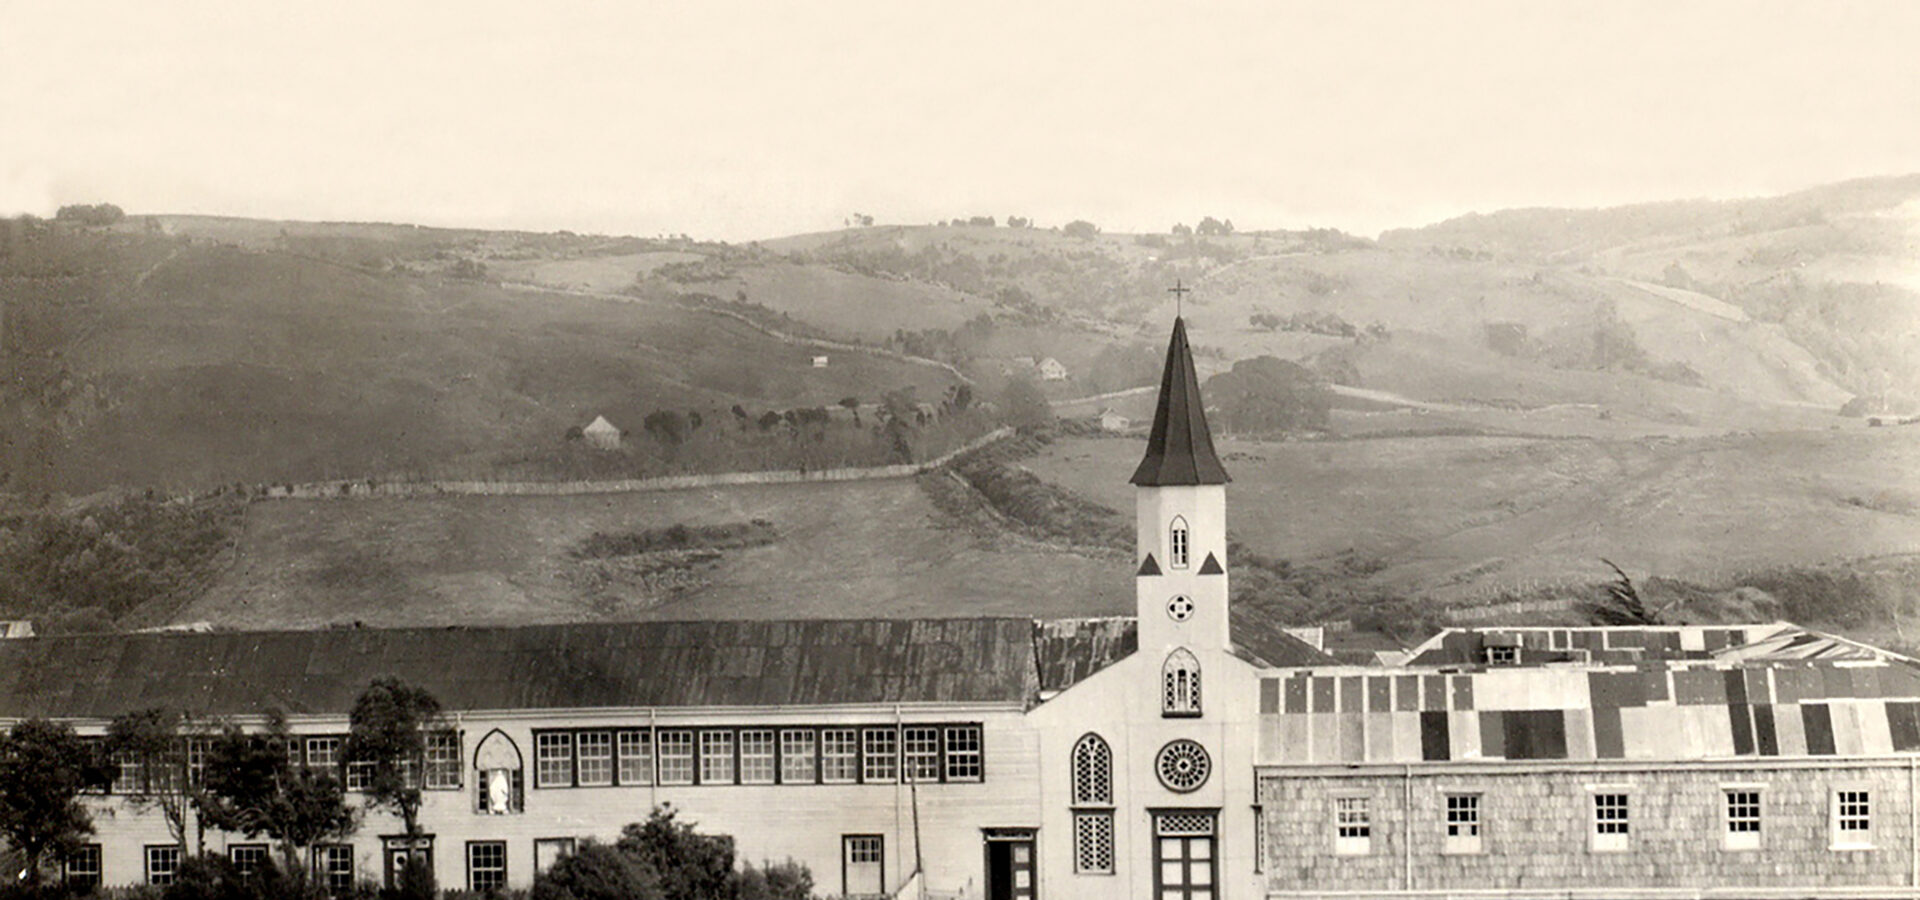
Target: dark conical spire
1180, 449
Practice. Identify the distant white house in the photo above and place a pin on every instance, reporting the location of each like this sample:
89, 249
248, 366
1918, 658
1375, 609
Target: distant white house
1113, 421
16, 628
1052, 370
602, 434
819, 362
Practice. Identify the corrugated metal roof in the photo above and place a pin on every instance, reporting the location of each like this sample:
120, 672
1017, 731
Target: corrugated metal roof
613, 664
1066, 651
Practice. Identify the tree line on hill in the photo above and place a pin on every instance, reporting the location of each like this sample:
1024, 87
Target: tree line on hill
198, 776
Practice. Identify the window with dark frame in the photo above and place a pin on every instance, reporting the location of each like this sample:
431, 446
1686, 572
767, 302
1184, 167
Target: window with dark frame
1352, 826
333, 865
797, 762
636, 757
80, 868
163, 862
933, 753
879, 755
839, 755
593, 760
1463, 824
547, 851
1177, 543
716, 756
676, 756
443, 761
1610, 822
486, 865
553, 759
757, 756
248, 858
1852, 819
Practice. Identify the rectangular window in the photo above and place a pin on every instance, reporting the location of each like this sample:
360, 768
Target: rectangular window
248, 858
839, 755
547, 851
923, 753
443, 761
197, 751
359, 776
129, 776
1352, 825
1463, 824
963, 753
1610, 831
333, 865
486, 865
162, 861
756, 756
716, 757
636, 757
796, 756
880, 755
1743, 819
1093, 842
323, 753
553, 755
1503, 656
1852, 819
595, 749
82, 867
676, 757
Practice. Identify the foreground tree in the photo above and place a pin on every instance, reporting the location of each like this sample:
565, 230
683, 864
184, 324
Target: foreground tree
43, 768
689, 865
390, 723
251, 788
151, 743
596, 871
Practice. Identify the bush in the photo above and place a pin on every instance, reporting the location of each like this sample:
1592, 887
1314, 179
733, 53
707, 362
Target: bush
773, 881
596, 871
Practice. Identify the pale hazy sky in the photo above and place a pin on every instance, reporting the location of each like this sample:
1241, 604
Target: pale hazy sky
739, 121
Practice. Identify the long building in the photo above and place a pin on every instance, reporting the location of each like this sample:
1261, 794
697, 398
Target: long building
1176, 753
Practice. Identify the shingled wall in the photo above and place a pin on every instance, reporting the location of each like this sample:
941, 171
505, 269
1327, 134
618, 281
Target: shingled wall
1536, 827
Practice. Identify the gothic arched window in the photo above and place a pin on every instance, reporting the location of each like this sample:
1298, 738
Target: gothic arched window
1092, 806
1177, 543
1180, 684
1092, 772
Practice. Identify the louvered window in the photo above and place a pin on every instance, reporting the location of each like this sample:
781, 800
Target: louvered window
1180, 684
1092, 772
1092, 782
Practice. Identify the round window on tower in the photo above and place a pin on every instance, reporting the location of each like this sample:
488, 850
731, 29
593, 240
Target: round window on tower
1183, 765
1180, 608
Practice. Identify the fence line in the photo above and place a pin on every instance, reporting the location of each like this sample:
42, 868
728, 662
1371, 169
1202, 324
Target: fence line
366, 488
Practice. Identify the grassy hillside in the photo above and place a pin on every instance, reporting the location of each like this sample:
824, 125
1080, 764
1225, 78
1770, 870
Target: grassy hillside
876, 548
138, 361
1466, 518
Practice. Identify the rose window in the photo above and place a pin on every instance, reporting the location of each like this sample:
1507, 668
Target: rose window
1183, 765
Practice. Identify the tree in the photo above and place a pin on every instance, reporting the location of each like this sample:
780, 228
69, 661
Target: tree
666, 426
1023, 406
388, 729
690, 865
596, 871
90, 213
250, 787
852, 405
1210, 226
151, 742
43, 768
1182, 229
1080, 228
1268, 394
768, 420
1621, 605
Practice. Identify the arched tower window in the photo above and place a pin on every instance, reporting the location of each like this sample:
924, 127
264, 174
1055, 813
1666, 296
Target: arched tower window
1092, 772
1180, 684
1177, 543
1092, 806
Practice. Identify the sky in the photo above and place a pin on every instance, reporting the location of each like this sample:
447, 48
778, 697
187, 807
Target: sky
737, 121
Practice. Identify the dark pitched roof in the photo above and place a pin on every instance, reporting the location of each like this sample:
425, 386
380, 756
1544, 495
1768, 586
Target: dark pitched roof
1211, 567
605, 664
1066, 651
1148, 566
1180, 448
1265, 643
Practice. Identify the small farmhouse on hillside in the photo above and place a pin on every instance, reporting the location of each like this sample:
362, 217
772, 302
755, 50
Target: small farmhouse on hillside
819, 362
1111, 420
601, 434
1052, 370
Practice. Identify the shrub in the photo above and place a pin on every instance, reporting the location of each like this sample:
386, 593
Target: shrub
596, 871
788, 880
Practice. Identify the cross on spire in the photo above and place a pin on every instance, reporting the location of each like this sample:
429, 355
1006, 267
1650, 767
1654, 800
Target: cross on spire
1179, 292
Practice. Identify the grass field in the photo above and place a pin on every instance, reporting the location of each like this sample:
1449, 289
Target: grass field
874, 548
1458, 518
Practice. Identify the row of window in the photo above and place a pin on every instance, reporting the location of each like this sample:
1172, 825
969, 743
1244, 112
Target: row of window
325, 752
790, 755
332, 864
1850, 821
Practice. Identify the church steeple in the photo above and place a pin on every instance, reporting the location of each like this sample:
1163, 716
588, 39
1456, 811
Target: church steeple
1180, 448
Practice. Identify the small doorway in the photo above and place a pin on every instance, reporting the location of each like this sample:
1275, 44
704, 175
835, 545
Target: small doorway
399, 856
863, 865
1010, 871
1185, 857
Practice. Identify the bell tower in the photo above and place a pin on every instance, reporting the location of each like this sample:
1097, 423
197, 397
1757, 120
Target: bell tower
1180, 508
